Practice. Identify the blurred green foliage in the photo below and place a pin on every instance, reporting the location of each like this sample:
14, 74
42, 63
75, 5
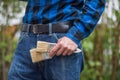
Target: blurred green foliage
9, 57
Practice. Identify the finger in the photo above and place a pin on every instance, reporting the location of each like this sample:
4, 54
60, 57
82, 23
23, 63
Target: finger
65, 52
63, 48
60, 51
69, 53
54, 50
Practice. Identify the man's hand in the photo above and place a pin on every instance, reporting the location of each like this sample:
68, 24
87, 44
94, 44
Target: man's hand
64, 46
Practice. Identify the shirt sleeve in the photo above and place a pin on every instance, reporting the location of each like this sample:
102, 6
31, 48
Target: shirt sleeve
86, 21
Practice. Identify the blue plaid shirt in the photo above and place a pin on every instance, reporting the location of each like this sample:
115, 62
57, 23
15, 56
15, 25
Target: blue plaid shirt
83, 13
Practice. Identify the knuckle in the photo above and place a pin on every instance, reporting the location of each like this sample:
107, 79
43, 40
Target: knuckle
65, 47
72, 49
69, 49
60, 44
65, 53
58, 54
53, 51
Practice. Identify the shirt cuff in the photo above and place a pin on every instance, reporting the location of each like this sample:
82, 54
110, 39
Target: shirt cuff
73, 38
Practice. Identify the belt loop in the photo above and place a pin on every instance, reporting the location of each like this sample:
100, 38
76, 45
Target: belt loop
50, 29
28, 28
55, 36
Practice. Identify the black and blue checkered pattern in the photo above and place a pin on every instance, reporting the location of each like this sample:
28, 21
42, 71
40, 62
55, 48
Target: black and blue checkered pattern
84, 14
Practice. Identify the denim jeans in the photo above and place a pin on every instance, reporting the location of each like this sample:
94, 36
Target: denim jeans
57, 68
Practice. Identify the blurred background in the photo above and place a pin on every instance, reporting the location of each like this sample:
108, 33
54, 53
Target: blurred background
101, 49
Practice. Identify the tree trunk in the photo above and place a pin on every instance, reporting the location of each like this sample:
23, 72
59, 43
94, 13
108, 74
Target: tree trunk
98, 48
115, 52
3, 65
3, 60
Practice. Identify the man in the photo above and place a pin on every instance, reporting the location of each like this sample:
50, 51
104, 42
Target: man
45, 20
